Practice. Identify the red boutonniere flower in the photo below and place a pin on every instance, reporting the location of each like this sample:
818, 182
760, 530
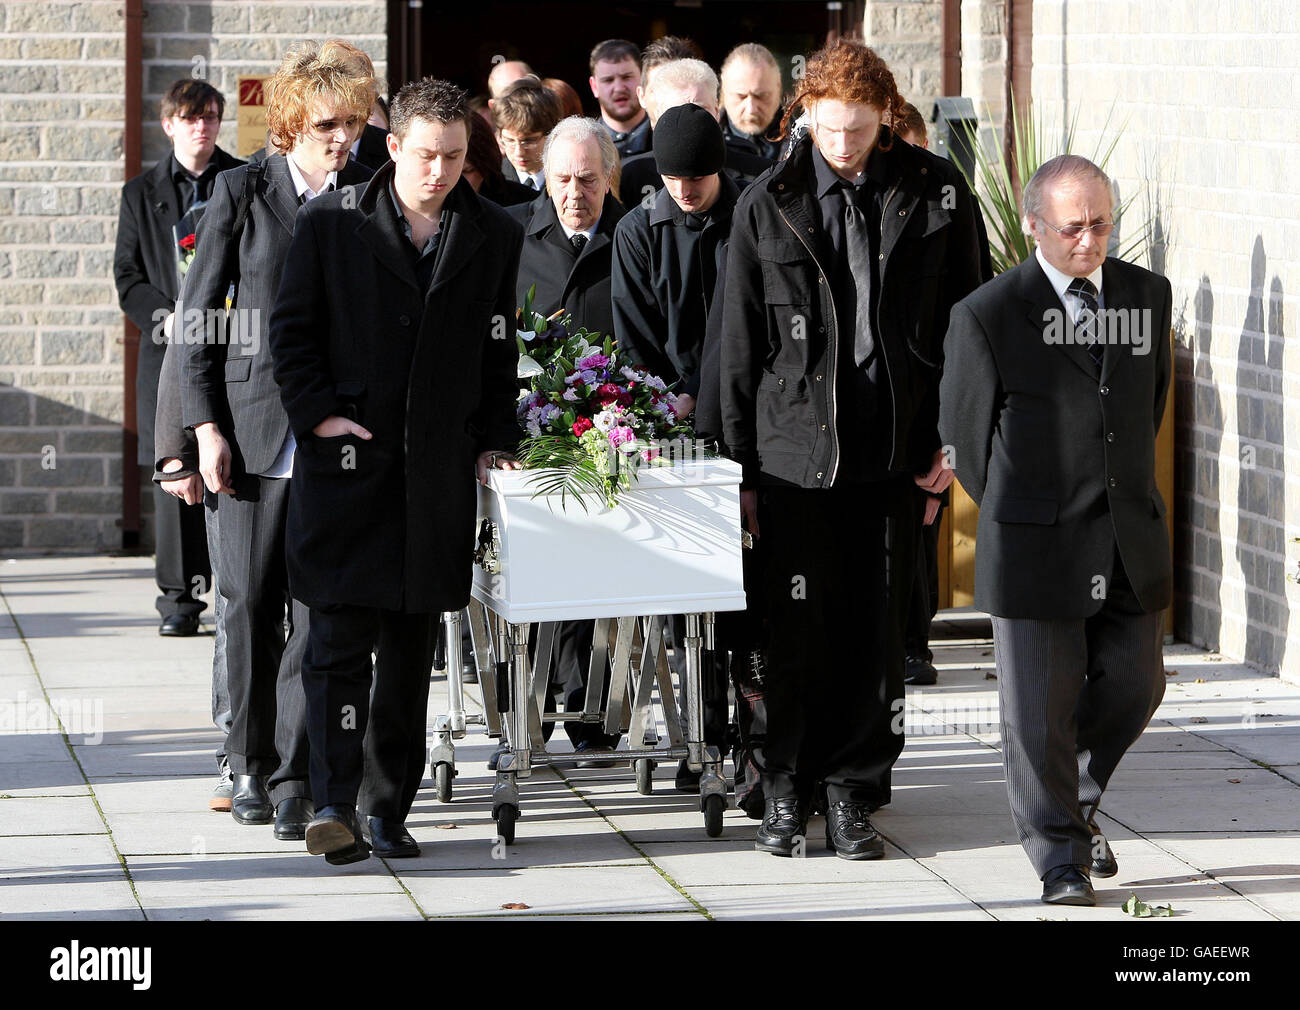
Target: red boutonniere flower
187, 243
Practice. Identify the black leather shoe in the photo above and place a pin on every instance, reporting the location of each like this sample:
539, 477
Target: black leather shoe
920, 672
1105, 865
179, 626
249, 802
785, 825
1068, 885
597, 762
492, 760
336, 834
850, 834
292, 817
389, 838
686, 781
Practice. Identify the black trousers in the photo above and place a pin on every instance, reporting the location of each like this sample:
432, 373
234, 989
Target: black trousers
367, 751
181, 566
221, 714
570, 660
924, 602
1074, 695
268, 725
837, 573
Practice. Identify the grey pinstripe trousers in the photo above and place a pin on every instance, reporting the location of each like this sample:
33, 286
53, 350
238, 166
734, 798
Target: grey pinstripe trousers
1074, 696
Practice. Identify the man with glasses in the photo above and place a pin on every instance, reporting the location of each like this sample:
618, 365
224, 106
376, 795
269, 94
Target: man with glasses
145, 269
1053, 390
524, 114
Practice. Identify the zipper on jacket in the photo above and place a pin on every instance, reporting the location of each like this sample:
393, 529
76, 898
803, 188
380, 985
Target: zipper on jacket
831, 359
889, 372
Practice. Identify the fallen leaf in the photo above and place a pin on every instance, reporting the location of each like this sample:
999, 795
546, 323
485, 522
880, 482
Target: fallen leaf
1139, 909
515, 904
1198, 719
447, 827
1200, 680
1171, 673
990, 675
1235, 782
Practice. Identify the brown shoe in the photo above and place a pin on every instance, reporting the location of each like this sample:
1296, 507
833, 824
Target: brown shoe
224, 790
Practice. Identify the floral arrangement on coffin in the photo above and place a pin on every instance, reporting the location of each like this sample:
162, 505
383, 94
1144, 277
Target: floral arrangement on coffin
590, 421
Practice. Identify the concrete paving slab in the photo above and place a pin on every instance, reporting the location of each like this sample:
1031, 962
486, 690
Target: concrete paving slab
149, 760
50, 815
735, 862
1264, 866
42, 778
910, 900
69, 898
66, 856
231, 875
359, 907
18, 748
576, 891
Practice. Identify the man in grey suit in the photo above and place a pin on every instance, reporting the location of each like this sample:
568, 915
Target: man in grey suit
1054, 385
318, 103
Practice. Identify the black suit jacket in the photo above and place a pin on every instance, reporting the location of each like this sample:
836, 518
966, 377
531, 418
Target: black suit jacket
372, 152
230, 381
579, 284
1058, 454
144, 268
389, 522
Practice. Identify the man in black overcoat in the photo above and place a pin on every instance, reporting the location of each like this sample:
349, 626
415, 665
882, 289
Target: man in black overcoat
145, 270
569, 229
393, 346
1053, 391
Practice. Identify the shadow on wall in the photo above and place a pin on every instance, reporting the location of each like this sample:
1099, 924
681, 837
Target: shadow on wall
1261, 489
1260, 535
61, 473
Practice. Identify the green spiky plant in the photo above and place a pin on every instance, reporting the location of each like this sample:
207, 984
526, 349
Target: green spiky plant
993, 185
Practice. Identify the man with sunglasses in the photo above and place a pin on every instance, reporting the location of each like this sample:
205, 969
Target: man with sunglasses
1053, 389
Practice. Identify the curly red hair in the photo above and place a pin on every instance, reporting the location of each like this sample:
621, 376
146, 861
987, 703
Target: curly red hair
847, 71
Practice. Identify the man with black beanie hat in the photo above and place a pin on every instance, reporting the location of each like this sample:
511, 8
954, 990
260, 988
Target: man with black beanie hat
665, 267
666, 254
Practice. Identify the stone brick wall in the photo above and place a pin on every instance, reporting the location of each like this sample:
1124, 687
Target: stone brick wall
61, 134
1208, 95
908, 35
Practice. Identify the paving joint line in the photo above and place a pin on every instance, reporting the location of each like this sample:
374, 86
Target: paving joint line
668, 878
63, 733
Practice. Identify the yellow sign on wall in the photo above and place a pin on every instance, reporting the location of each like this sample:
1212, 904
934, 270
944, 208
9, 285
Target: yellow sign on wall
250, 119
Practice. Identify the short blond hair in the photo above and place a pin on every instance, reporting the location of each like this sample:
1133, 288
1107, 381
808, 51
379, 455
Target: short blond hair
334, 70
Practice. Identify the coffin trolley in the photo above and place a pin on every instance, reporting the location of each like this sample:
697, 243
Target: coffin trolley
672, 545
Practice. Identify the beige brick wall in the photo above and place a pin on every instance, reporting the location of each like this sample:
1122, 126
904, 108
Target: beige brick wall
908, 35
1208, 93
61, 134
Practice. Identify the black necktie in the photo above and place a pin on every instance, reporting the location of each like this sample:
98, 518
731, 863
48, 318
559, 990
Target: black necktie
1085, 326
531, 183
857, 245
578, 241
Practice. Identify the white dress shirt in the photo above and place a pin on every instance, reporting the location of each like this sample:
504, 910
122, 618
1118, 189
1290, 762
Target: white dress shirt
1071, 302
283, 465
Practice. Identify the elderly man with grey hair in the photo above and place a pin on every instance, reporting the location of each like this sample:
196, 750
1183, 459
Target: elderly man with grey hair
1053, 389
568, 245
751, 99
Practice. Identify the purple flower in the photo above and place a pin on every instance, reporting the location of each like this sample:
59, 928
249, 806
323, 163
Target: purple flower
593, 361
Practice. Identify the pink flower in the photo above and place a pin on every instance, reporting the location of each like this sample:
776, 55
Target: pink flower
621, 435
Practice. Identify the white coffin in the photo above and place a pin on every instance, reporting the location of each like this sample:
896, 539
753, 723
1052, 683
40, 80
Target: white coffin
670, 546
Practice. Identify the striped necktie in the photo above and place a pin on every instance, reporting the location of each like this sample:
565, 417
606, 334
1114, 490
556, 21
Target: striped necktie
1086, 324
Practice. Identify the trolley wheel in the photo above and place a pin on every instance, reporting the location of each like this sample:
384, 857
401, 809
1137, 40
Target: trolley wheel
713, 807
443, 773
644, 776
506, 816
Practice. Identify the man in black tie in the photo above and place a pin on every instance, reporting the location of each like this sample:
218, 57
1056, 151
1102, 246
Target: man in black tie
145, 266
842, 265
396, 366
524, 114
317, 104
1053, 391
